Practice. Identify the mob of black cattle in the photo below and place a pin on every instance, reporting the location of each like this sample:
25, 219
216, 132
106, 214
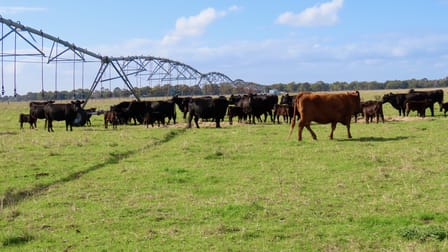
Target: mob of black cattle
398, 101
250, 106
62, 112
255, 105
145, 112
27, 118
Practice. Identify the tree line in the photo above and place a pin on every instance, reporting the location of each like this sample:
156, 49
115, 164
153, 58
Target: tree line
227, 89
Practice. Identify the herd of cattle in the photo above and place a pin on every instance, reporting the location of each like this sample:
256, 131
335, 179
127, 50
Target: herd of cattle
306, 107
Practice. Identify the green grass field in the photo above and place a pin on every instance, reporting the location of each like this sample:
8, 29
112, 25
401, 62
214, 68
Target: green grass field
238, 188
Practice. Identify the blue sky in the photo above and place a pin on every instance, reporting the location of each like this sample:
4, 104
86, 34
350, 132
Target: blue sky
261, 41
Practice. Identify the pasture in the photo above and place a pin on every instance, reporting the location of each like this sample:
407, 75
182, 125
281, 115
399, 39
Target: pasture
238, 188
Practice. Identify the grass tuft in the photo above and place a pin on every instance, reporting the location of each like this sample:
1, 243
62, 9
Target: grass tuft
17, 240
424, 233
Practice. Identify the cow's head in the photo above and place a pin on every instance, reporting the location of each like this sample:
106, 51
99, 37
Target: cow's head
233, 99
388, 97
77, 104
286, 99
185, 102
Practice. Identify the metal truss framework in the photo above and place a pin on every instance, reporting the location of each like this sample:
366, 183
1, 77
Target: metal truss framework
152, 68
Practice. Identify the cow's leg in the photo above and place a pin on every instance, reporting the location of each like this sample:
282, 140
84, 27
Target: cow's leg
68, 123
217, 122
190, 118
308, 127
300, 129
348, 131
50, 126
333, 127
196, 120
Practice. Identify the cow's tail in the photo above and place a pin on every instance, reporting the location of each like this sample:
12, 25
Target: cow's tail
293, 120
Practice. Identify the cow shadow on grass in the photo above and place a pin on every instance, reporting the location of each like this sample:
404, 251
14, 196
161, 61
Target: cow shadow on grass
8, 133
374, 139
12, 197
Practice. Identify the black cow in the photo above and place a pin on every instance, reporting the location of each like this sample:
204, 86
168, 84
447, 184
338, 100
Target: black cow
182, 103
444, 107
233, 111
234, 99
136, 111
37, 110
62, 112
26, 118
89, 113
287, 99
419, 106
206, 108
397, 101
162, 110
122, 111
431, 96
256, 105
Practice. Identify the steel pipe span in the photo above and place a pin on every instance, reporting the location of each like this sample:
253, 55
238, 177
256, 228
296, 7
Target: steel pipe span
154, 68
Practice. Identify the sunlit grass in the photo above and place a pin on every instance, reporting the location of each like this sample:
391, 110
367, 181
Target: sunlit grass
242, 187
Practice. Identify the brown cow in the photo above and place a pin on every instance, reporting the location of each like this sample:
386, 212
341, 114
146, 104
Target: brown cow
281, 110
112, 118
325, 108
372, 109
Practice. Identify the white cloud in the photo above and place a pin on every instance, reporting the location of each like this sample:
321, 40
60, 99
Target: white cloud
325, 14
11, 10
192, 26
234, 8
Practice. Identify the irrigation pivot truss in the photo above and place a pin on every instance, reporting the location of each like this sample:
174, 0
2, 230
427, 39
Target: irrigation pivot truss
153, 69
